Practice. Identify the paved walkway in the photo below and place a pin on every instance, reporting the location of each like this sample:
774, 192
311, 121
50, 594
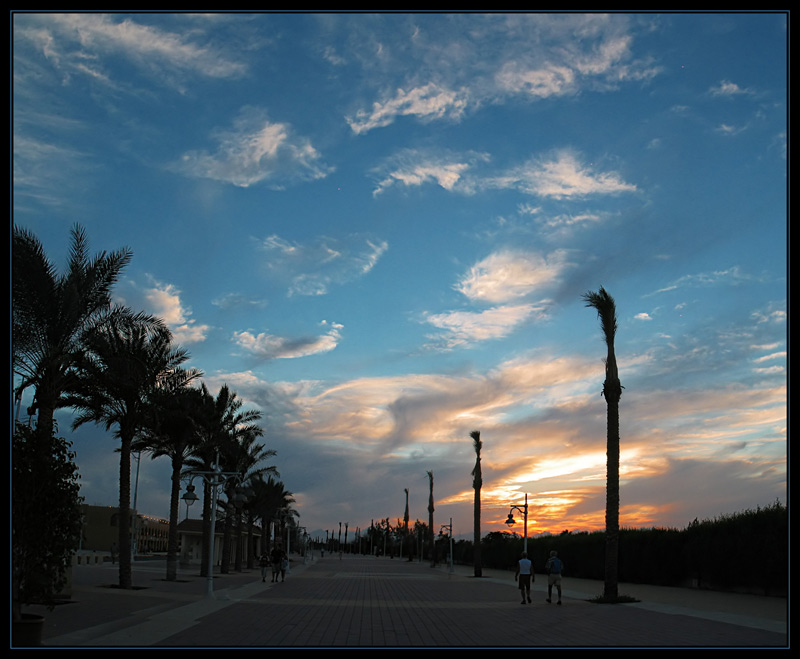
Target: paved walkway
365, 601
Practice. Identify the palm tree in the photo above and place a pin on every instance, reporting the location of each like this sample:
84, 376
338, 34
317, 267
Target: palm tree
477, 483
52, 313
170, 432
430, 516
271, 501
405, 526
126, 362
241, 455
612, 391
220, 422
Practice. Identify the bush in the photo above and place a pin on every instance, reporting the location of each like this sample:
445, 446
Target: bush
45, 516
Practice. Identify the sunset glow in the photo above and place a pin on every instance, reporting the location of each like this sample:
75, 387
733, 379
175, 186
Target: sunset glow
377, 230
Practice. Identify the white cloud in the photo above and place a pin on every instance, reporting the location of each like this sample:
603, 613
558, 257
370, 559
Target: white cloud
427, 102
76, 41
512, 274
563, 176
727, 88
165, 302
466, 327
256, 150
269, 346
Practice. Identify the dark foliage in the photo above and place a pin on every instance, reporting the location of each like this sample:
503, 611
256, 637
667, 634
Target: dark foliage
46, 517
744, 551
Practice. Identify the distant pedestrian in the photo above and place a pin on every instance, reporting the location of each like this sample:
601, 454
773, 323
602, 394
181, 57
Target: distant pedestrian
264, 564
553, 567
524, 576
284, 567
113, 553
276, 558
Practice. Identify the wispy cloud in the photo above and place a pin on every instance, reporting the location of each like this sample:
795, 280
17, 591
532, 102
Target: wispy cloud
511, 274
77, 43
312, 268
266, 346
563, 176
729, 89
731, 276
465, 64
416, 167
427, 103
164, 300
463, 328
256, 150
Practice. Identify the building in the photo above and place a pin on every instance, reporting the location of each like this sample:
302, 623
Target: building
101, 531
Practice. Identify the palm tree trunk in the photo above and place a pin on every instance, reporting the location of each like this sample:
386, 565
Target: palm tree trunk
207, 512
612, 390
174, 505
477, 483
125, 577
430, 520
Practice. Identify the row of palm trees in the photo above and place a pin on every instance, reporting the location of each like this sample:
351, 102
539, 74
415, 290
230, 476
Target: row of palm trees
115, 367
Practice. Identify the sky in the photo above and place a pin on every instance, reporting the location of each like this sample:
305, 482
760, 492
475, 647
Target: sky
377, 229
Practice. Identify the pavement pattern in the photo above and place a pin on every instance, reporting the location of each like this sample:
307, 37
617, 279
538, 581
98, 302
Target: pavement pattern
357, 601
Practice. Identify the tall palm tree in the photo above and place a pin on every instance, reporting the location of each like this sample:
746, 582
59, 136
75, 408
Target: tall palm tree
430, 516
405, 526
271, 501
125, 363
170, 431
52, 313
477, 483
243, 456
220, 422
612, 391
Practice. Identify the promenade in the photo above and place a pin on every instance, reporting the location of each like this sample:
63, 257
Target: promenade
356, 601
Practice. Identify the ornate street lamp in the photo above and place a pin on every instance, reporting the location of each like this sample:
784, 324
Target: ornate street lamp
510, 521
449, 528
215, 479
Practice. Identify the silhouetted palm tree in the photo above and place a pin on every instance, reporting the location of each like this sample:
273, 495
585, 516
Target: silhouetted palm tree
612, 391
270, 499
243, 456
430, 516
51, 314
405, 526
125, 362
170, 431
477, 483
220, 422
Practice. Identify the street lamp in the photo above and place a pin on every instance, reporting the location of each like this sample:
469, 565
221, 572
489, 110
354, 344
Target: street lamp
215, 478
189, 497
510, 521
449, 528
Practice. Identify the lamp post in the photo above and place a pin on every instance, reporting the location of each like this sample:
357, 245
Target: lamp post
449, 528
215, 478
189, 497
510, 521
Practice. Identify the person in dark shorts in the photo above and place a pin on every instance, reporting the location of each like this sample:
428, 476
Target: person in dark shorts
524, 577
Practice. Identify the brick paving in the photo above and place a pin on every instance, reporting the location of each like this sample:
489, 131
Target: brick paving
381, 602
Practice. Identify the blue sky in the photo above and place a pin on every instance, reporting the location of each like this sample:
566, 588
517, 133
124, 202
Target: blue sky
377, 229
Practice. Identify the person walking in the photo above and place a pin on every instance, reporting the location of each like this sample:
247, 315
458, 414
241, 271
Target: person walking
276, 558
524, 576
264, 565
553, 567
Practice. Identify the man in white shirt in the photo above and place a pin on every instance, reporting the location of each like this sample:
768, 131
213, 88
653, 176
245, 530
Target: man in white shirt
524, 575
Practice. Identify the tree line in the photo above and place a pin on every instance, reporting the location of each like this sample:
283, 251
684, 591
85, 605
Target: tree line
746, 551
119, 368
